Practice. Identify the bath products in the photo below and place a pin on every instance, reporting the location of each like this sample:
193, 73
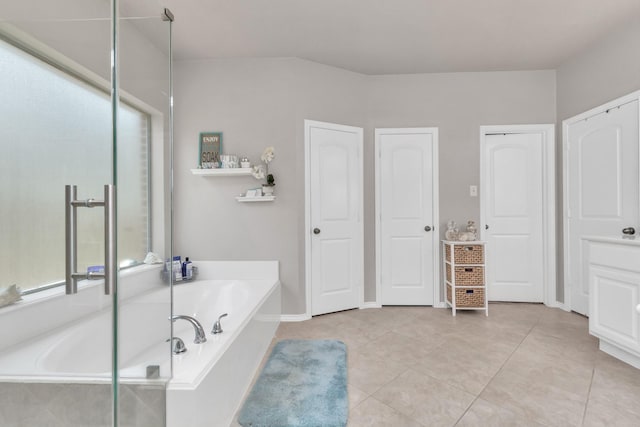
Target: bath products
229, 161
187, 269
95, 271
175, 267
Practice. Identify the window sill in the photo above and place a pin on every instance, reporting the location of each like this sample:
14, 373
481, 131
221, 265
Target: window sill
84, 286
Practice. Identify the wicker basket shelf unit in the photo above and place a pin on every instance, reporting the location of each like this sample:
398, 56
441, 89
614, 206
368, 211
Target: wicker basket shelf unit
464, 266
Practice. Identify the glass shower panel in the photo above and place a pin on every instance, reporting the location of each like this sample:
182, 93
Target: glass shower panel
144, 77
55, 130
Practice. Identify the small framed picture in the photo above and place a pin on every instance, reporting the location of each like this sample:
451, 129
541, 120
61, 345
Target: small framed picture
210, 149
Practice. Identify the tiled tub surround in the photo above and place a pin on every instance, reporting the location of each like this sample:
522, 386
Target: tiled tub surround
523, 365
64, 366
80, 405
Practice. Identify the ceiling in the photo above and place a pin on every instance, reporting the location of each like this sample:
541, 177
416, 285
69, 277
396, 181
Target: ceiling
397, 36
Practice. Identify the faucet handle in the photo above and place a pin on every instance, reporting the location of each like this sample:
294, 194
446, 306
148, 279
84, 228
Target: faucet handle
179, 346
217, 327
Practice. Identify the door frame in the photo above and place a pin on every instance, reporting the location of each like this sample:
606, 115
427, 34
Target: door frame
633, 96
435, 208
308, 125
548, 198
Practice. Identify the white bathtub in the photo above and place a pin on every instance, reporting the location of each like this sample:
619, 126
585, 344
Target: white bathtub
79, 350
208, 381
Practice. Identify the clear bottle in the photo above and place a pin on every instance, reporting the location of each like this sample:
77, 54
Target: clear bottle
187, 268
452, 231
471, 228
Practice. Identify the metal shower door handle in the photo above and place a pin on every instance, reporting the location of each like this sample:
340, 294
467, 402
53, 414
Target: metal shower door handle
71, 238
110, 243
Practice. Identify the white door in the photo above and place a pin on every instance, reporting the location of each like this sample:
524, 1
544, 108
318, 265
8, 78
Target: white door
335, 225
406, 205
602, 186
512, 201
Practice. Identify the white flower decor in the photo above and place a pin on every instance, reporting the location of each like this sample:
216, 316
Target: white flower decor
262, 172
268, 154
258, 172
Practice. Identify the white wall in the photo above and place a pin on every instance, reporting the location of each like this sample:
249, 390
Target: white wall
255, 103
260, 102
458, 104
608, 69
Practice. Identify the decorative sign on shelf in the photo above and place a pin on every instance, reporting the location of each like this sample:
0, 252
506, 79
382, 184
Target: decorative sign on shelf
210, 149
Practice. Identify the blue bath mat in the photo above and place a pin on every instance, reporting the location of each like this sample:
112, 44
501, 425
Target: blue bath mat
303, 384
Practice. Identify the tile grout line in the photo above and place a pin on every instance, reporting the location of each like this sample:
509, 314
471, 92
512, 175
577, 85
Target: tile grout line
371, 395
586, 404
496, 374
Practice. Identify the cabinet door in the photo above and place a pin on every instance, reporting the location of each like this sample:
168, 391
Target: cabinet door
615, 293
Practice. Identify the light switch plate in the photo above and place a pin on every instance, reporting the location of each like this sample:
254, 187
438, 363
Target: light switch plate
473, 190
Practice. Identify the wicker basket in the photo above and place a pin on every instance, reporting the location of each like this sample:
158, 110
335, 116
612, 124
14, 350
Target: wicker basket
466, 254
469, 297
472, 276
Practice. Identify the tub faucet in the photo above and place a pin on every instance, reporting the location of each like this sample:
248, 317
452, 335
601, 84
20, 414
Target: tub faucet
178, 346
200, 335
217, 327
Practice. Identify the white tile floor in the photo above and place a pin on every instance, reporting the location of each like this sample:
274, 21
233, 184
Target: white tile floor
524, 365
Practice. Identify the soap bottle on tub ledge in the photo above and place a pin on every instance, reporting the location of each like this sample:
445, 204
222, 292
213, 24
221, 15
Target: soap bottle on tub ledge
187, 269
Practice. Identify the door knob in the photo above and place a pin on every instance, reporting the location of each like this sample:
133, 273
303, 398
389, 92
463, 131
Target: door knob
427, 228
629, 230
316, 231
486, 226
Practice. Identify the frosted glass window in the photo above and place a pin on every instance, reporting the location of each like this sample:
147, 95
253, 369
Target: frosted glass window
54, 130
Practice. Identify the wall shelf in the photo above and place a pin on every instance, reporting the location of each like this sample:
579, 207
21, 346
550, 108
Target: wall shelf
222, 172
243, 199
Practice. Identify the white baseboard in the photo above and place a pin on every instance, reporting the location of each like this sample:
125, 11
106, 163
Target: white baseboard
619, 353
440, 305
370, 304
560, 305
294, 317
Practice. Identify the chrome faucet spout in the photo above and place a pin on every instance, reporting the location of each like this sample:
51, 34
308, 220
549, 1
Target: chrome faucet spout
199, 330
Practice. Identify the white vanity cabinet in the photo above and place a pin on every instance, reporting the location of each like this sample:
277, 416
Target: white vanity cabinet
614, 295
